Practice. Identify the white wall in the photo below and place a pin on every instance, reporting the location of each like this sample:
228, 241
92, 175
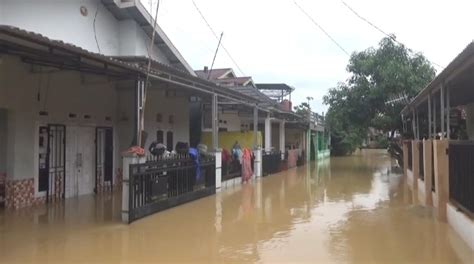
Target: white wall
60, 93
62, 20
159, 103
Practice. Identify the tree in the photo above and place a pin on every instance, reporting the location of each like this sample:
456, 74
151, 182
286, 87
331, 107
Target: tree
303, 109
382, 82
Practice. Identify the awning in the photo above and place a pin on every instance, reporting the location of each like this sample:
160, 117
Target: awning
37, 49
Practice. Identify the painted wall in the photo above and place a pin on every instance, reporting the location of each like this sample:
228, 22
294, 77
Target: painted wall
228, 139
114, 37
177, 106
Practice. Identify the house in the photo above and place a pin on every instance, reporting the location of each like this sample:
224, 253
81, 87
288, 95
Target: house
437, 157
73, 97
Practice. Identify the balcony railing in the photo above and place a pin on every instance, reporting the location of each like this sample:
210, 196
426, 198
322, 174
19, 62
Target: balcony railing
421, 167
461, 175
159, 184
410, 155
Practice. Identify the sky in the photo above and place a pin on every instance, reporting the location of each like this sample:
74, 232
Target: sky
274, 42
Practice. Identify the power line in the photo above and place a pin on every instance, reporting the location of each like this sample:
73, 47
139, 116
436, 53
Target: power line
217, 38
321, 28
379, 29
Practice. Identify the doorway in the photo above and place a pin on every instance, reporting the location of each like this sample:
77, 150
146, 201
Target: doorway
52, 166
104, 159
80, 153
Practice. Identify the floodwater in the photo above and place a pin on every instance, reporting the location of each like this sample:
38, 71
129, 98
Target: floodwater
344, 210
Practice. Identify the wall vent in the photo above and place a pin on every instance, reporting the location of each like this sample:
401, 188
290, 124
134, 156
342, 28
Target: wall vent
43, 113
71, 115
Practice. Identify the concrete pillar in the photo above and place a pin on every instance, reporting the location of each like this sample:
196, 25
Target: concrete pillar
218, 155
416, 169
127, 161
441, 166
427, 163
215, 123
255, 128
282, 139
308, 145
257, 165
268, 134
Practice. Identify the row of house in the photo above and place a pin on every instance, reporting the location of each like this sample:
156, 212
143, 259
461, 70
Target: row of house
76, 92
439, 154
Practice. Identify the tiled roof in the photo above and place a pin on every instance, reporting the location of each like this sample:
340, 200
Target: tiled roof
215, 73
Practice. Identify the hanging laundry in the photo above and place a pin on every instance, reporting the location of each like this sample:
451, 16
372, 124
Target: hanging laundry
246, 165
194, 154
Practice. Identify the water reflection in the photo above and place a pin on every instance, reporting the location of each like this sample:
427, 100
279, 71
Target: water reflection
342, 210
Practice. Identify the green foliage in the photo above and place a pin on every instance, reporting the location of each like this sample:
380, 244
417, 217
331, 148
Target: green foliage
302, 109
382, 82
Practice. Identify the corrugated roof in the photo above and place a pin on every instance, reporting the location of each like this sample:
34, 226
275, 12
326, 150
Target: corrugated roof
19, 37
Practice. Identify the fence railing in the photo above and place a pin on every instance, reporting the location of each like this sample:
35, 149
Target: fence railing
230, 170
421, 163
163, 183
410, 155
461, 175
271, 163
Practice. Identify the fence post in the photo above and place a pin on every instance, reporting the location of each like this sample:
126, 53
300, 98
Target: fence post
257, 164
218, 155
427, 163
441, 166
415, 169
128, 159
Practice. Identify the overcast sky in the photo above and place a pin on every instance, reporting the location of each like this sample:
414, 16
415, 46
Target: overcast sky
273, 41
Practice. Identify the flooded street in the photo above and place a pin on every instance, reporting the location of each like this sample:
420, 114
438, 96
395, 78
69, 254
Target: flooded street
343, 210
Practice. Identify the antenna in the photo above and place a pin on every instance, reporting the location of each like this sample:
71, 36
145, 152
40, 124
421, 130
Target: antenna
215, 55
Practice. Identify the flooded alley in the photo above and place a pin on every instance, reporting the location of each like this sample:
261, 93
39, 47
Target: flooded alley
341, 210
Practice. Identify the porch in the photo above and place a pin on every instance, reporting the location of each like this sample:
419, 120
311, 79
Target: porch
438, 160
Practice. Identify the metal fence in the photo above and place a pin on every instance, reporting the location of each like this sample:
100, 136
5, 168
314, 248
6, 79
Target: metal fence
410, 155
271, 163
421, 161
231, 170
461, 175
163, 183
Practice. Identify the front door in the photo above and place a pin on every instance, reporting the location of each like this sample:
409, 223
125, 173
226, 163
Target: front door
104, 161
80, 150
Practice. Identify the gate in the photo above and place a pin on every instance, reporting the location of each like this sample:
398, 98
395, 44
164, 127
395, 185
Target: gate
163, 183
52, 161
104, 159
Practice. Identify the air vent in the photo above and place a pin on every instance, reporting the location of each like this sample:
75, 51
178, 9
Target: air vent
87, 117
108, 118
71, 115
43, 113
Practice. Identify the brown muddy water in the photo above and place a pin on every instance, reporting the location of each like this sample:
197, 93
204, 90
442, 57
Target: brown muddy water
343, 210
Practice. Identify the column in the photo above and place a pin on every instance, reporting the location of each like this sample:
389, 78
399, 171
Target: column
255, 127
215, 140
416, 169
215, 123
268, 133
441, 166
282, 139
442, 111
427, 163
127, 161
